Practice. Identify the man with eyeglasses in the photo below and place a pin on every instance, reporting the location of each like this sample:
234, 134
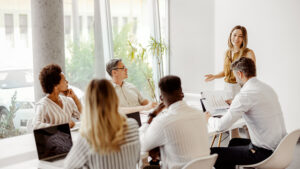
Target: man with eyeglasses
130, 99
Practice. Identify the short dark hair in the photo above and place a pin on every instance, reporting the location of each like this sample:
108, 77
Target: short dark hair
50, 77
170, 84
111, 65
245, 65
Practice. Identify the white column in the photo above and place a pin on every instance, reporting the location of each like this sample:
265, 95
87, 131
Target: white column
99, 49
76, 32
47, 37
103, 36
156, 34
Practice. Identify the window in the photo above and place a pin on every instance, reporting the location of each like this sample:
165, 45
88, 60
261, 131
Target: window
67, 24
90, 24
9, 29
115, 24
23, 29
125, 20
134, 24
133, 27
16, 78
79, 56
80, 25
23, 122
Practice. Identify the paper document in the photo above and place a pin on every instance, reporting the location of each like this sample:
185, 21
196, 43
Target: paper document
214, 100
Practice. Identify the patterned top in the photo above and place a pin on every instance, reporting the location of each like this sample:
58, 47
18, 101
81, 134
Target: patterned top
83, 156
49, 113
229, 76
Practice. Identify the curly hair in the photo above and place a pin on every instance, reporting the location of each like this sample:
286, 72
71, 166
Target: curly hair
50, 77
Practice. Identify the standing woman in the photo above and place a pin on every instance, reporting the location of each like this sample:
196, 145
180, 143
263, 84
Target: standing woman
107, 139
237, 48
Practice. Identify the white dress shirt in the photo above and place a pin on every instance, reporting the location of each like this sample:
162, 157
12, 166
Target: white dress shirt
258, 104
181, 134
128, 94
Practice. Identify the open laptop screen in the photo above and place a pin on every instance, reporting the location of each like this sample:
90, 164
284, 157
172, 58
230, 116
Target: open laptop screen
136, 116
54, 141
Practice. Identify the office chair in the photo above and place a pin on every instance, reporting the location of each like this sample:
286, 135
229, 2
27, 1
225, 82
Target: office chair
206, 162
282, 156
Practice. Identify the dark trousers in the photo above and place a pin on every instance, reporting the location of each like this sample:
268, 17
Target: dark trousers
239, 152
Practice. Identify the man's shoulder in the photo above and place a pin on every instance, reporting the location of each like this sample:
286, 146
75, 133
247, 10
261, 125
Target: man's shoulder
186, 112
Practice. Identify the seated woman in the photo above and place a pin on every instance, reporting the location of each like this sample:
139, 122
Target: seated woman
60, 103
107, 139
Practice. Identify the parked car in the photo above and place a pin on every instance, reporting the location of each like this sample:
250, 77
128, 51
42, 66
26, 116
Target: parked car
19, 82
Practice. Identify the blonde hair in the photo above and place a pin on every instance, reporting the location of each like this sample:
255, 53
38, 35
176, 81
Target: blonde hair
243, 47
102, 125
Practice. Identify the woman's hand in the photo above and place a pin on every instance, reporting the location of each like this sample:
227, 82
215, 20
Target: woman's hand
210, 77
71, 124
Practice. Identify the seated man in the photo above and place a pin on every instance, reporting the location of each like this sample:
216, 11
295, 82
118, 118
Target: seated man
258, 104
180, 133
130, 99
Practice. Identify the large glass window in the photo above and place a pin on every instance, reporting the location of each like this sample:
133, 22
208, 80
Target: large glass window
130, 26
9, 29
16, 77
23, 23
79, 47
132, 41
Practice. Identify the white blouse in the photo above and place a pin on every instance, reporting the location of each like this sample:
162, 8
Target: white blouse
49, 113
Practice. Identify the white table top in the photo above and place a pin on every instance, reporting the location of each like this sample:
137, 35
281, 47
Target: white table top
20, 151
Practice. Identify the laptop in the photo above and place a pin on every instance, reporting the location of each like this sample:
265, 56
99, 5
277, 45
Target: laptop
215, 112
53, 143
136, 116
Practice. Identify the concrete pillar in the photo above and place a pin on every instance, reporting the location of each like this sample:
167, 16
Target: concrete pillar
47, 37
99, 47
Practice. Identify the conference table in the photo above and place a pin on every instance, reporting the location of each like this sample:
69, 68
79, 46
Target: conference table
20, 151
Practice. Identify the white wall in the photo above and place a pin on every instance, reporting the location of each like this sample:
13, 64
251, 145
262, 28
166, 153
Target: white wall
274, 35
192, 42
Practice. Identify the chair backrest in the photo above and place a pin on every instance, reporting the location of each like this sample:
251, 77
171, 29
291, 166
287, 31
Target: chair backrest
206, 162
283, 154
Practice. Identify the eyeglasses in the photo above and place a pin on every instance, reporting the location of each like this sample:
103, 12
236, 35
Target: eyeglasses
122, 68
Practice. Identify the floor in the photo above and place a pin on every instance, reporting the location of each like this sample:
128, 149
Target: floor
295, 164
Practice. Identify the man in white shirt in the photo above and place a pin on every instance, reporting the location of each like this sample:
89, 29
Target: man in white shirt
130, 99
180, 132
258, 104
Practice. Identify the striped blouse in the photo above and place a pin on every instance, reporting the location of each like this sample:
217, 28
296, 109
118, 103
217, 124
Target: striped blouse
49, 113
82, 155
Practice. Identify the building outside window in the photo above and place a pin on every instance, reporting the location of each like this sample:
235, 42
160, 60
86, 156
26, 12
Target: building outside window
23, 24
9, 29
